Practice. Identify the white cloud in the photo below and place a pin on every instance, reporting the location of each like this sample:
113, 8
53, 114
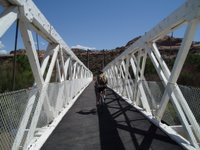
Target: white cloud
83, 47
40, 43
43, 43
1, 45
3, 52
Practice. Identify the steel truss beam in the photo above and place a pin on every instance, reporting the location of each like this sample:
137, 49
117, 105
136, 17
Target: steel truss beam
135, 57
58, 61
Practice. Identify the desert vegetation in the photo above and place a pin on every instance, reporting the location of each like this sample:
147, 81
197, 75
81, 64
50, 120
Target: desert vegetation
97, 59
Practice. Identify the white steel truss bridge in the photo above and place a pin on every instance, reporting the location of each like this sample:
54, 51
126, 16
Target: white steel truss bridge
62, 77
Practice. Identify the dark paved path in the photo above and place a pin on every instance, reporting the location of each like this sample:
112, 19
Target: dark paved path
118, 127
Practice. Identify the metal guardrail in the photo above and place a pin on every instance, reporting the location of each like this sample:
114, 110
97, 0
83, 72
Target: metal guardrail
43, 110
137, 91
14, 108
58, 81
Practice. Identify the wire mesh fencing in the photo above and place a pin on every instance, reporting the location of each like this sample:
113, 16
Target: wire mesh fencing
192, 95
154, 92
12, 106
170, 117
59, 95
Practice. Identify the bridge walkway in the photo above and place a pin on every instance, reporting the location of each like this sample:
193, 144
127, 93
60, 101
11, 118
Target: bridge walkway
119, 127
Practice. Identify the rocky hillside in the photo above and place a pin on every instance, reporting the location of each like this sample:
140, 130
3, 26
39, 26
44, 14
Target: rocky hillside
168, 47
100, 58
97, 59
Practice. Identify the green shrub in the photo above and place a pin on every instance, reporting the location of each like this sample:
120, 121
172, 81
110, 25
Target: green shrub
23, 78
186, 78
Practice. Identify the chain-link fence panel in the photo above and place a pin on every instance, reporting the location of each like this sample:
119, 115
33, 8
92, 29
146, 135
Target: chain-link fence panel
12, 106
154, 92
192, 96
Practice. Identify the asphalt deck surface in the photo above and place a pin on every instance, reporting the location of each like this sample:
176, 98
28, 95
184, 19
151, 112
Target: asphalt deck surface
118, 127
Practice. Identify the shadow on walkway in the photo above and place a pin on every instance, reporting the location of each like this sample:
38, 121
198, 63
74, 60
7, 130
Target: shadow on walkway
118, 127
122, 127
92, 111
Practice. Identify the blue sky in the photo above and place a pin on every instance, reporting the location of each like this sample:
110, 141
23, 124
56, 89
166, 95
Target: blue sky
102, 24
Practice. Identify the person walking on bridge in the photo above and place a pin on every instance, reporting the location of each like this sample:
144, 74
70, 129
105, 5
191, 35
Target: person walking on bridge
100, 85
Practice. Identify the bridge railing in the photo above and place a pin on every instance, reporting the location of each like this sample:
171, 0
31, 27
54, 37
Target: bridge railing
126, 75
29, 116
